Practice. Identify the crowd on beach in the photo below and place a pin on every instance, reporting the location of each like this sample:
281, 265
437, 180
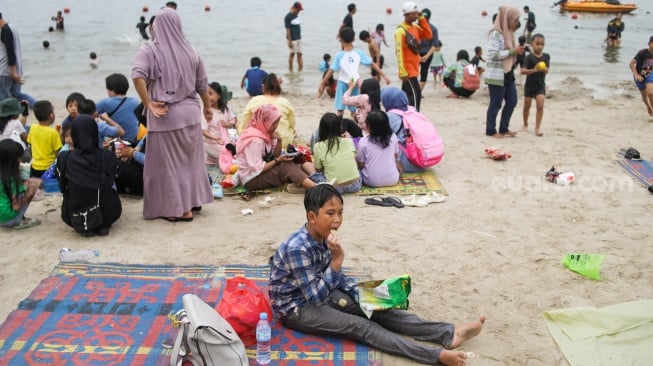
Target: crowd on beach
183, 123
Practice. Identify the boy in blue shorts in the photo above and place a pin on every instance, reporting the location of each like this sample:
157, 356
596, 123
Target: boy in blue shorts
311, 294
346, 63
535, 67
642, 69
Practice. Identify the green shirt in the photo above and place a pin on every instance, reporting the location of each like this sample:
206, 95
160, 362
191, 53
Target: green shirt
6, 211
339, 164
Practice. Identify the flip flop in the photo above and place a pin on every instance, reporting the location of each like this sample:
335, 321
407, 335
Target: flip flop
26, 222
393, 201
435, 197
378, 201
415, 201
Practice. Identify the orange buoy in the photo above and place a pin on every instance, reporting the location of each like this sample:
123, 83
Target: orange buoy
388, 10
145, 9
207, 8
574, 16
66, 10
484, 13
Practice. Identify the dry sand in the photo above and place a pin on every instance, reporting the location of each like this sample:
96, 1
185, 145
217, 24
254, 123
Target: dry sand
493, 248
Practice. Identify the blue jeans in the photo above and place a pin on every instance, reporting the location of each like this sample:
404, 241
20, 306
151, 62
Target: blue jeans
497, 95
319, 177
16, 220
342, 317
11, 89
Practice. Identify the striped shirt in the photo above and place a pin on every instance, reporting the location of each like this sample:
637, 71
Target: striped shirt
496, 52
301, 276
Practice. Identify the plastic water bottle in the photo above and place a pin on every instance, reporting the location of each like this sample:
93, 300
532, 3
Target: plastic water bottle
263, 336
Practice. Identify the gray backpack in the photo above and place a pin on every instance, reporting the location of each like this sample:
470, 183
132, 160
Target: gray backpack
205, 338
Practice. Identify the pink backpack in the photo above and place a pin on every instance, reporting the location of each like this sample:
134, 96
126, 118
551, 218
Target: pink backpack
423, 147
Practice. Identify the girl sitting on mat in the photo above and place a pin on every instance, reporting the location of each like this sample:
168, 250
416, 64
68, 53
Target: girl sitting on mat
335, 156
378, 152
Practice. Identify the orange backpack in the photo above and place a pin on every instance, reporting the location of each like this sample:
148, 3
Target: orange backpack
471, 79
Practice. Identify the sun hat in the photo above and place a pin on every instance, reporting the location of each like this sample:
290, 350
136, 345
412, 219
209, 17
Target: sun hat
409, 7
10, 107
297, 5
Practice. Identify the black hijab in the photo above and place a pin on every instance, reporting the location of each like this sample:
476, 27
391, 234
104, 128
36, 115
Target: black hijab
87, 165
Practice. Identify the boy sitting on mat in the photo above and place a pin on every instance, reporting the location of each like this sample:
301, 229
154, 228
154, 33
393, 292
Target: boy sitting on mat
310, 293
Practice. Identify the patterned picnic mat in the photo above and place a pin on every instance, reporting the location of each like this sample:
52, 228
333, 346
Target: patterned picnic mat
641, 170
409, 183
116, 314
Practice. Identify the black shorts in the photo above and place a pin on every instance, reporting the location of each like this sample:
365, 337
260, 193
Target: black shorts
533, 91
380, 64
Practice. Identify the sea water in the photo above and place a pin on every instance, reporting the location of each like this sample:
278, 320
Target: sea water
232, 32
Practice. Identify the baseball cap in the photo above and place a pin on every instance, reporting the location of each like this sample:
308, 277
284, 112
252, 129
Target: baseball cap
10, 107
297, 5
409, 7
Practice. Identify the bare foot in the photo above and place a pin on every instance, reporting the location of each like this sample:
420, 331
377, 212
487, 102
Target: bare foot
452, 96
538, 132
510, 133
524, 127
497, 136
453, 358
466, 331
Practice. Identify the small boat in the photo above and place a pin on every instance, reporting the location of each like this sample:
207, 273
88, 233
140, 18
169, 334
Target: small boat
596, 6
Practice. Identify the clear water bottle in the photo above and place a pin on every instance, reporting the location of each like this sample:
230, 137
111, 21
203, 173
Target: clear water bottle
263, 337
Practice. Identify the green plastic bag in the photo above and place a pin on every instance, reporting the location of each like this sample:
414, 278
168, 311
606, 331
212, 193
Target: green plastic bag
588, 265
384, 294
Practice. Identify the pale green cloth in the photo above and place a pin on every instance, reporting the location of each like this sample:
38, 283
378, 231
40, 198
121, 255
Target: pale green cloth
620, 334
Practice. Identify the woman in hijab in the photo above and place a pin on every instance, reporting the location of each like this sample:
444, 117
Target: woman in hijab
260, 164
395, 98
168, 75
86, 177
499, 75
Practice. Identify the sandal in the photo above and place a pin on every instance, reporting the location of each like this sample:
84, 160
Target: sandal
415, 201
378, 201
435, 197
393, 201
27, 222
178, 219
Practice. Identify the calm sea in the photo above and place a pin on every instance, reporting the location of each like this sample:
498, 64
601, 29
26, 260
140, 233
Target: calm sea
233, 31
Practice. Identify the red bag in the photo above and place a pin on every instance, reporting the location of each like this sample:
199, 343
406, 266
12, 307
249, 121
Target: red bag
242, 303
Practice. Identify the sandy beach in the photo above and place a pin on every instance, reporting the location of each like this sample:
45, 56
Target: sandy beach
493, 248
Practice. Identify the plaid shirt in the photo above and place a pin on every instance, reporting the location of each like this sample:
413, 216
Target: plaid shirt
301, 275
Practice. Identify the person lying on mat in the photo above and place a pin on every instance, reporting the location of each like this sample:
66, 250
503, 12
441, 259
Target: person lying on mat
310, 293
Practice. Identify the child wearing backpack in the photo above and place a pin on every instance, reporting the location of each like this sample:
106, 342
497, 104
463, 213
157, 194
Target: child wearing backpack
462, 77
377, 152
421, 149
335, 157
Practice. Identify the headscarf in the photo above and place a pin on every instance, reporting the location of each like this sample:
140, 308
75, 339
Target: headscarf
262, 119
394, 98
172, 59
502, 25
87, 165
371, 87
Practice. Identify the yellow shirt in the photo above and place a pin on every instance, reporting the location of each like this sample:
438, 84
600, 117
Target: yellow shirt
286, 127
45, 143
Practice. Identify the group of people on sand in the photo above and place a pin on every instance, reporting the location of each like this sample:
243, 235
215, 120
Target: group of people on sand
189, 124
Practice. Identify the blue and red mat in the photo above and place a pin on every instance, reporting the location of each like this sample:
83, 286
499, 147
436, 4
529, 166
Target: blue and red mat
641, 170
117, 314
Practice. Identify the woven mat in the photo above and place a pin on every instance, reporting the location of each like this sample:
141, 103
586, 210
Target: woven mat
409, 183
641, 170
116, 314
